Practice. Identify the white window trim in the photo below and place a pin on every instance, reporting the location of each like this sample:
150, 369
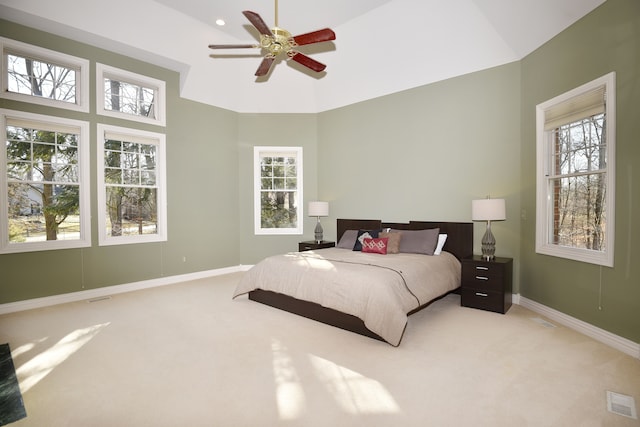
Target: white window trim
161, 235
103, 71
83, 175
544, 203
80, 64
257, 151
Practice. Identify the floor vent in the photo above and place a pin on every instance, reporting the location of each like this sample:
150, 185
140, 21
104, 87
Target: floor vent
621, 404
543, 322
99, 299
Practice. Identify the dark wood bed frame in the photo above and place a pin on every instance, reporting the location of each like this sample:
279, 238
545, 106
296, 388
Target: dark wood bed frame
459, 243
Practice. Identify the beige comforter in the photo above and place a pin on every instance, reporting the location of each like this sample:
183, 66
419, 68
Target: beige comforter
379, 289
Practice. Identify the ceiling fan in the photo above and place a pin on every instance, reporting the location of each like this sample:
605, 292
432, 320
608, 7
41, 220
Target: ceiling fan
277, 41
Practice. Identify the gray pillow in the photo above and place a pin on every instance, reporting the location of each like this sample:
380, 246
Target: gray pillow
419, 241
348, 239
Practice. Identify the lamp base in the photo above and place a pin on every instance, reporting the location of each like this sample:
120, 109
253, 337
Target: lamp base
318, 232
488, 244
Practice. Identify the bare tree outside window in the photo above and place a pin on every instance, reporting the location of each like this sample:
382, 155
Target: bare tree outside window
42, 79
579, 186
129, 98
575, 176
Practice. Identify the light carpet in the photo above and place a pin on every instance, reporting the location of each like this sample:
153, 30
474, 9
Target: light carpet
188, 355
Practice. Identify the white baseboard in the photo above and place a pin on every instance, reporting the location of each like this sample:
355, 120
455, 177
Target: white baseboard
112, 290
624, 345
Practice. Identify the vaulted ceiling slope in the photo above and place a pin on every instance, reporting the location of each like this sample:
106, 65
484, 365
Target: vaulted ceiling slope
382, 46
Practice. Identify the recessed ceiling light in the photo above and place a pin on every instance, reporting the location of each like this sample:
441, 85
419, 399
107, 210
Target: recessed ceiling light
220, 22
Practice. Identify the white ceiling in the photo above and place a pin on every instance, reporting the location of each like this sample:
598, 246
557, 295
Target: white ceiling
381, 46
294, 15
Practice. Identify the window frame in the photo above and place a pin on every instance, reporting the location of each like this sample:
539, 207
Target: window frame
258, 153
544, 197
161, 184
81, 66
83, 178
105, 71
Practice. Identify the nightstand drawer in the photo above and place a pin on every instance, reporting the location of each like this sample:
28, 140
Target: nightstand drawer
312, 245
484, 300
477, 280
305, 247
483, 270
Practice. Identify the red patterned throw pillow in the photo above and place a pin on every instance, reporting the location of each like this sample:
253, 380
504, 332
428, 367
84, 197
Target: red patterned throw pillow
375, 246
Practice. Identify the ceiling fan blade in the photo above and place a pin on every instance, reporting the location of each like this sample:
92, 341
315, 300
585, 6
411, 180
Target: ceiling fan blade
308, 62
232, 46
323, 35
265, 66
257, 22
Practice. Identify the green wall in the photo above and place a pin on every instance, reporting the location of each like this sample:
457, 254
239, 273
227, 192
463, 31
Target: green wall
299, 130
425, 153
202, 190
606, 40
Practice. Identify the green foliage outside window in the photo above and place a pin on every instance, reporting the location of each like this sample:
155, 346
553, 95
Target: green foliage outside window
279, 207
43, 184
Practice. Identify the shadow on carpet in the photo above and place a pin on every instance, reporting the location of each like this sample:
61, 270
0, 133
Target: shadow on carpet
11, 403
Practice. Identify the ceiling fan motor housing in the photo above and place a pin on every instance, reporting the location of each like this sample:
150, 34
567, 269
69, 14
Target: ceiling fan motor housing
281, 41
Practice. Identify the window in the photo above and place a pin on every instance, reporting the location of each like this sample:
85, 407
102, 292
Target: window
130, 96
131, 183
42, 76
44, 183
576, 173
278, 190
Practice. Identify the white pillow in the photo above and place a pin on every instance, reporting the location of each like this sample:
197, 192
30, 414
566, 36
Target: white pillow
442, 238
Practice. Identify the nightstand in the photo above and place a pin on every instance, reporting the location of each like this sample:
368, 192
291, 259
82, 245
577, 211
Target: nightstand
312, 244
487, 285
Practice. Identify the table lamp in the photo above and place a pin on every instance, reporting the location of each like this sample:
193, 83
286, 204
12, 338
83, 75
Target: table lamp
488, 210
318, 209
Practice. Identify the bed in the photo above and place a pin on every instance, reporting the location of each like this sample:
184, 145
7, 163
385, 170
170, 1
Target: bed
366, 293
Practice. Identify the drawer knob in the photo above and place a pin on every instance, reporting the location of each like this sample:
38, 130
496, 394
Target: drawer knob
480, 267
482, 278
481, 294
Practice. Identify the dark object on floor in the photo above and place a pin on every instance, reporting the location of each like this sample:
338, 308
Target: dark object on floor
11, 403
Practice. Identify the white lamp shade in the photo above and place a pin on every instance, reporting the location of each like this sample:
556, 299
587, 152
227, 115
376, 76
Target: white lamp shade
488, 210
318, 208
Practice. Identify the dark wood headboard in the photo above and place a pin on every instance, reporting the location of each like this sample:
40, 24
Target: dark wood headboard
459, 234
